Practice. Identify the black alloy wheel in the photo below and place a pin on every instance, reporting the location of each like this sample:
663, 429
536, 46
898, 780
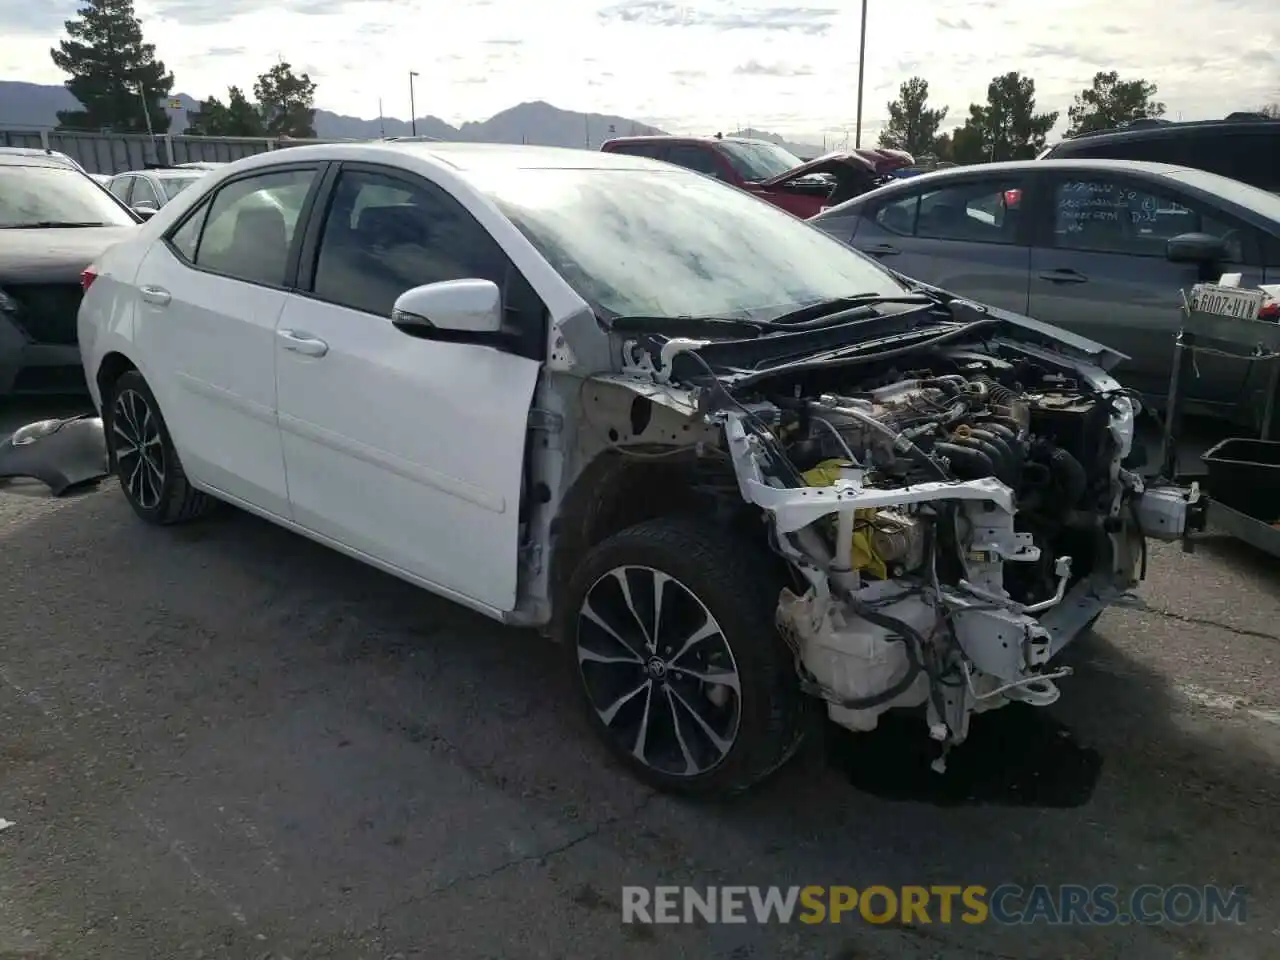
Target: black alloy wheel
143, 456
669, 631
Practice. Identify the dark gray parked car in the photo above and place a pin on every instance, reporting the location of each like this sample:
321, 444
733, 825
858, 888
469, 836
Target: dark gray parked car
54, 222
1244, 147
1100, 247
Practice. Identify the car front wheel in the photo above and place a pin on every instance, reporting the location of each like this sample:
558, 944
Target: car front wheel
143, 457
669, 627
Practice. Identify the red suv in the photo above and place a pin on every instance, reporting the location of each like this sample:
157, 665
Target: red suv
769, 171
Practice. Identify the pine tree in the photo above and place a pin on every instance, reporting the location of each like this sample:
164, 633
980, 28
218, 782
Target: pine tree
286, 101
113, 72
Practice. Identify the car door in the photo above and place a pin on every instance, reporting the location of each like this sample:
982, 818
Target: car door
210, 294
967, 236
1099, 267
406, 450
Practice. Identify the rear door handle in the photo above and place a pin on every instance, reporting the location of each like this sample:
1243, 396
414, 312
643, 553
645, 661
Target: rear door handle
303, 343
1064, 276
157, 295
881, 250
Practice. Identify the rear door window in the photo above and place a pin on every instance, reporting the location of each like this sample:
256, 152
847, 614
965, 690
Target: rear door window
251, 225
981, 211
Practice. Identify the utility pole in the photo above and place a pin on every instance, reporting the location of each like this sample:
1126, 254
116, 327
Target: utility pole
146, 111
862, 59
413, 110
382, 127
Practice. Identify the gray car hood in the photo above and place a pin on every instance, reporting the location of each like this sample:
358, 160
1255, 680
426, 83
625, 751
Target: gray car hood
1048, 335
36, 256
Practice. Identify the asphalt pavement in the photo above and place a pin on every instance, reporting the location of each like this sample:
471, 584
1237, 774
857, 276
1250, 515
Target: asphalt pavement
222, 740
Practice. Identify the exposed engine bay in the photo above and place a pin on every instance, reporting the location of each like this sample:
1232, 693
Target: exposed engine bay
952, 517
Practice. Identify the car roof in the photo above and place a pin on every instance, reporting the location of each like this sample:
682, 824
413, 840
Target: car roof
1023, 166
1161, 129
1232, 192
32, 157
458, 156
677, 138
162, 172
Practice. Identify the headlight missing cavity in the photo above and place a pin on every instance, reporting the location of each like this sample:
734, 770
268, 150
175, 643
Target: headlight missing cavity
36, 431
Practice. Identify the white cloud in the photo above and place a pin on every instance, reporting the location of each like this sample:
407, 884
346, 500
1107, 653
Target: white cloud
697, 66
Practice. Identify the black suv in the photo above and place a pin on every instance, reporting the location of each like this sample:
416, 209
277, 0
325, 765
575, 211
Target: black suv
1244, 146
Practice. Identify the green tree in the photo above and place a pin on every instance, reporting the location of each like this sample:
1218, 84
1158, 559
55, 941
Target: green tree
967, 143
913, 126
943, 147
113, 72
236, 118
1110, 101
1271, 110
1006, 127
286, 101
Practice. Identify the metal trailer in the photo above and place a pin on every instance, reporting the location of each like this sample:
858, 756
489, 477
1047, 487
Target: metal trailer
1249, 341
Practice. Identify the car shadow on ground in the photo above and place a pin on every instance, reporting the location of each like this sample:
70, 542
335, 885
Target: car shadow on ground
1105, 784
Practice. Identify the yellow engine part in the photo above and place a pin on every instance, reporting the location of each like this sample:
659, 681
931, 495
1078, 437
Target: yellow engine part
865, 558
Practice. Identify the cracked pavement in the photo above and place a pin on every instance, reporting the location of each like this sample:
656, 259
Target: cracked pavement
224, 741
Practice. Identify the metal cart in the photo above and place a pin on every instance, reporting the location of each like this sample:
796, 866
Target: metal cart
1251, 341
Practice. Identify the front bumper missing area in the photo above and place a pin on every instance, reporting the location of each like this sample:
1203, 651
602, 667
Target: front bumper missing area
63, 454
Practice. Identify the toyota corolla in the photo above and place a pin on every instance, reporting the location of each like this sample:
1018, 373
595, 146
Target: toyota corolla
734, 467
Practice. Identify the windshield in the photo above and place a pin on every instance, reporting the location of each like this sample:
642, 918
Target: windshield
175, 185
758, 161
677, 244
35, 195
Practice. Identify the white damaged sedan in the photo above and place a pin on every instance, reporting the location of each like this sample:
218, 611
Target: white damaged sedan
733, 466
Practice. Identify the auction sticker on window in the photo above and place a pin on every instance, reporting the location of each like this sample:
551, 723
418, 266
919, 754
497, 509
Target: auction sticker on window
1226, 301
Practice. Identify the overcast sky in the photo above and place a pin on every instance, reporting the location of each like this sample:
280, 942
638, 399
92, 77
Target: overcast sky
692, 67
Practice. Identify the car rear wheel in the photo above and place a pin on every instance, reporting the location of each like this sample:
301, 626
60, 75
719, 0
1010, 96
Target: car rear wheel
143, 456
669, 629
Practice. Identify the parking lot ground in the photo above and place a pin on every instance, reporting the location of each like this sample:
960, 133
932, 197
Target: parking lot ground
222, 740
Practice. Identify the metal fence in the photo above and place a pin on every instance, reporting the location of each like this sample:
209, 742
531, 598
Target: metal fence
116, 152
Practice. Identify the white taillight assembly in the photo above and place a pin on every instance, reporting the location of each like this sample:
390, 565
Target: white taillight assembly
87, 277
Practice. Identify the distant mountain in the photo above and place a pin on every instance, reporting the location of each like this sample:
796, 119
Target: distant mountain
31, 106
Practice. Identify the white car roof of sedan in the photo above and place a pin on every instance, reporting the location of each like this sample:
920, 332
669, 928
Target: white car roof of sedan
466, 156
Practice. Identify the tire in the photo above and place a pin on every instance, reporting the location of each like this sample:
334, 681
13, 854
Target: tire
155, 486
703, 738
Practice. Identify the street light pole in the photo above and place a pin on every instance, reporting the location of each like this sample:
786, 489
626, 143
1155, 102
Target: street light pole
413, 111
862, 56
146, 109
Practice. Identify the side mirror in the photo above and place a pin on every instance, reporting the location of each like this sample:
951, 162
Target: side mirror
461, 306
145, 209
1201, 248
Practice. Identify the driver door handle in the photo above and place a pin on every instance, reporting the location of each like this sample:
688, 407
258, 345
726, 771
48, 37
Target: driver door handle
1065, 275
881, 250
303, 343
157, 295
